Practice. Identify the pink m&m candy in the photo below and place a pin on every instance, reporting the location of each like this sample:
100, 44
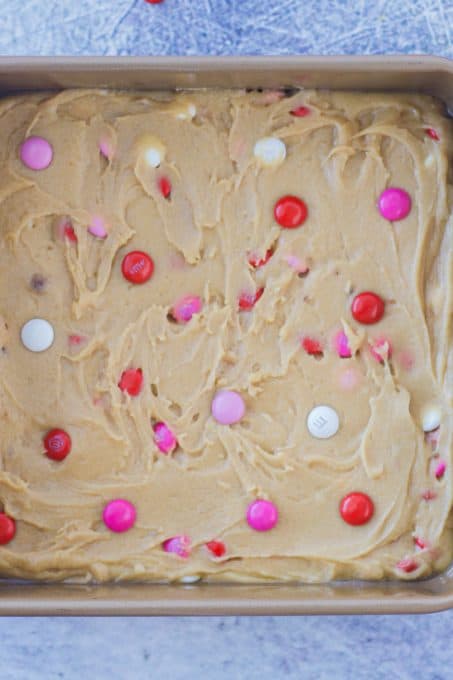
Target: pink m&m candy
180, 545
440, 469
164, 438
97, 227
349, 379
381, 349
119, 515
262, 515
183, 310
299, 266
106, 148
227, 407
394, 204
36, 153
342, 345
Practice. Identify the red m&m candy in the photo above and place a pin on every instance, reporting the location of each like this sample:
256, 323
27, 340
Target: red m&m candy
217, 548
312, 346
290, 212
367, 308
407, 565
257, 262
164, 185
300, 112
131, 381
69, 233
356, 508
57, 444
137, 267
7, 528
431, 132
247, 301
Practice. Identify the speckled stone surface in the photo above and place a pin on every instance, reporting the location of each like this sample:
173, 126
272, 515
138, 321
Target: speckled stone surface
311, 648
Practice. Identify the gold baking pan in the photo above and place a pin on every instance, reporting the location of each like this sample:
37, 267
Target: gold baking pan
425, 74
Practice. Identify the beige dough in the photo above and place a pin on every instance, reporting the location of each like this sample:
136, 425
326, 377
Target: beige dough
339, 158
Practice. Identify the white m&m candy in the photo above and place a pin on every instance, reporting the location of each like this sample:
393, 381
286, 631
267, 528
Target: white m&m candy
153, 157
189, 578
151, 150
323, 422
187, 113
270, 151
37, 335
431, 417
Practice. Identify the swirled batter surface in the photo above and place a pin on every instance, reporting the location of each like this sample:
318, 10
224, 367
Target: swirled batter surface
177, 177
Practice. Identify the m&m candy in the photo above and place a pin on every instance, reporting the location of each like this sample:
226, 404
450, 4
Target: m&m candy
256, 262
179, 545
183, 310
119, 515
312, 346
262, 515
323, 422
290, 212
300, 111
36, 153
37, 335
216, 548
227, 407
431, 417
381, 349
367, 308
270, 151
431, 132
97, 227
408, 565
7, 528
131, 381
164, 186
356, 508
394, 204
247, 301
164, 438
137, 267
341, 344
57, 444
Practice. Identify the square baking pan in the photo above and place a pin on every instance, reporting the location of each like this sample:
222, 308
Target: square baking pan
430, 75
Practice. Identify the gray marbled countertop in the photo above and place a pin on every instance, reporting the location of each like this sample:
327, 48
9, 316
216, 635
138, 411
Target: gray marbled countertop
306, 648
226, 27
